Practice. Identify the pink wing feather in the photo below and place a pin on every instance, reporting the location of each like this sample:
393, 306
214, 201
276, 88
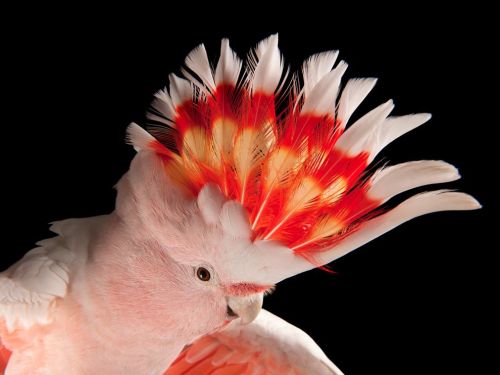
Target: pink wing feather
269, 345
4, 358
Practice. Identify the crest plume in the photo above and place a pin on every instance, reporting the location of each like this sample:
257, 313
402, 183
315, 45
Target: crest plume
285, 152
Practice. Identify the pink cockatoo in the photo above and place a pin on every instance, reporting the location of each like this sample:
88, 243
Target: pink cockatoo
245, 178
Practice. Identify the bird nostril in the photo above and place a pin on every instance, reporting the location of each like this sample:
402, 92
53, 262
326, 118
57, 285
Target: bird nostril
231, 313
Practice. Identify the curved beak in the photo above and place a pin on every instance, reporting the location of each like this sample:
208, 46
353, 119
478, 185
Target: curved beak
245, 307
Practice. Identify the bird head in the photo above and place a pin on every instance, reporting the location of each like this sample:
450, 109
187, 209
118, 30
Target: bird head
229, 194
189, 261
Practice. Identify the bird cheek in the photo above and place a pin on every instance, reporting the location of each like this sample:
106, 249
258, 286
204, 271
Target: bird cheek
214, 308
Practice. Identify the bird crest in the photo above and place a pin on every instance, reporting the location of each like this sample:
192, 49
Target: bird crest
281, 145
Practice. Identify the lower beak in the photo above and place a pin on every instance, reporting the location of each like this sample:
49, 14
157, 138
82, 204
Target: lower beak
247, 308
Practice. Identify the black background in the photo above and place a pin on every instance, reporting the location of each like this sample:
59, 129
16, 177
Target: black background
414, 301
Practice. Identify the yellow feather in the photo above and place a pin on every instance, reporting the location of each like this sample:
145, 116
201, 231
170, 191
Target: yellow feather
307, 190
250, 147
177, 172
327, 226
335, 190
223, 132
280, 165
194, 143
304, 193
245, 151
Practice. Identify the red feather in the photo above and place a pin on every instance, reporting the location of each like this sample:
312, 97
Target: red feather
281, 165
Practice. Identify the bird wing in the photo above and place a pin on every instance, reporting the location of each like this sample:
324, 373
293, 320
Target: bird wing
30, 287
268, 345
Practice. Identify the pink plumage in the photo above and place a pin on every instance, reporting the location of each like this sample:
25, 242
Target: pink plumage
247, 176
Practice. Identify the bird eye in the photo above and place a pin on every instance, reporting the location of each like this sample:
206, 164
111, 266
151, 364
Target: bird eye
203, 274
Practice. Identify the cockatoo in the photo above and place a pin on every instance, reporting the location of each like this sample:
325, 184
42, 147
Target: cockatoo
246, 176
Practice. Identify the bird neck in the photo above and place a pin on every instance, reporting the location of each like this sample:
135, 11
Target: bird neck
125, 324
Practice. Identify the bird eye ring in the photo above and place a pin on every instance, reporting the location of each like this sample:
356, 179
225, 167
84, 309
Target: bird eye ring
203, 274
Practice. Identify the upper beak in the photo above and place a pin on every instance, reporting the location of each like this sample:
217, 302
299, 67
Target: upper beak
247, 307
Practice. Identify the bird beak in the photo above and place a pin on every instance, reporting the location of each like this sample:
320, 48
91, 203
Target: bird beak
247, 307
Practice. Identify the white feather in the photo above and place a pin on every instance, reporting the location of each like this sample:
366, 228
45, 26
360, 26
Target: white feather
354, 92
264, 45
180, 90
269, 68
390, 181
20, 304
393, 128
197, 61
162, 103
234, 220
355, 139
315, 68
138, 137
210, 201
35, 274
421, 204
322, 98
375, 130
61, 271
256, 54
229, 65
